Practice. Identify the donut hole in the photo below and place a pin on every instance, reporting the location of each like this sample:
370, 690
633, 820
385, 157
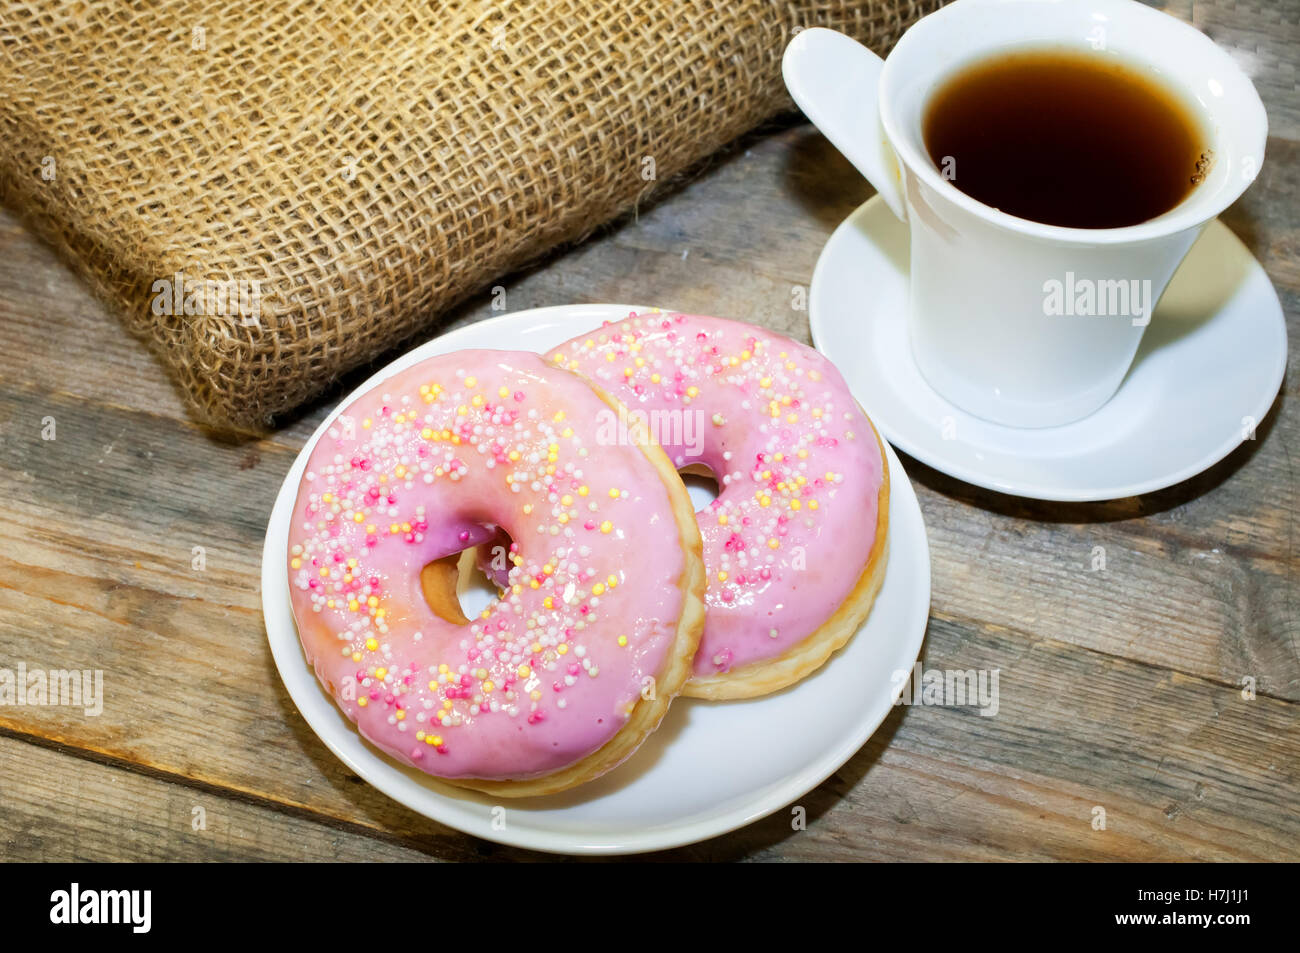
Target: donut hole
458, 587
701, 483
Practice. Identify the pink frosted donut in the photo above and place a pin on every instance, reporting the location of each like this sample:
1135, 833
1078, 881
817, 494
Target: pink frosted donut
562, 677
795, 543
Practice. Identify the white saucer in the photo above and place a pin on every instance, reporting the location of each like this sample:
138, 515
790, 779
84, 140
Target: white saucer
712, 766
1208, 370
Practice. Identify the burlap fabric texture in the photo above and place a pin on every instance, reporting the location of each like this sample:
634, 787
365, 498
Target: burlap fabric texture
272, 193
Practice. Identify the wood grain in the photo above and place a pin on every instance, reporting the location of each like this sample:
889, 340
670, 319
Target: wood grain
1120, 689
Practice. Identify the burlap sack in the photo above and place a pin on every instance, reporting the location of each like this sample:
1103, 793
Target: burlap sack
272, 193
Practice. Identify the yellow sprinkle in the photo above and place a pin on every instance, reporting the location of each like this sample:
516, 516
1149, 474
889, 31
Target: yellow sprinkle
295, 563
606, 526
795, 504
722, 575
363, 701
613, 493
812, 504
772, 543
528, 508
489, 685
611, 581
622, 640
654, 378
598, 589
523, 671
563, 648
722, 519
372, 644
692, 391
471, 382
366, 423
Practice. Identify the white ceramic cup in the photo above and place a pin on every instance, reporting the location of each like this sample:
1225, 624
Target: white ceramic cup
992, 295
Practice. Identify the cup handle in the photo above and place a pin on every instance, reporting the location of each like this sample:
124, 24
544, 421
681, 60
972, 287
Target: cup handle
835, 80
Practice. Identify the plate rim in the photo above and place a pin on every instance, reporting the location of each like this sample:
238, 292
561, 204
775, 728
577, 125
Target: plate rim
288, 652
1023, 489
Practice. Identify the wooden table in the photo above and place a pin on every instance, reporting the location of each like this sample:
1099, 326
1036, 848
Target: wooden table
131, 543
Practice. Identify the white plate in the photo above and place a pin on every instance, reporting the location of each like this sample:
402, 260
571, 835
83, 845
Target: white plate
1207, 372
712, 766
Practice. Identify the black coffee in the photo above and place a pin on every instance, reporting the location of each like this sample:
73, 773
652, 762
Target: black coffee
1066, 138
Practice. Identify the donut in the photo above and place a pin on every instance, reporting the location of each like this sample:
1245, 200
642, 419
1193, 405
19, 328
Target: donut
796, 542
570, 669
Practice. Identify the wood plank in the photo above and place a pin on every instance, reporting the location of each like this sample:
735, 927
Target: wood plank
1184, 769
54, 807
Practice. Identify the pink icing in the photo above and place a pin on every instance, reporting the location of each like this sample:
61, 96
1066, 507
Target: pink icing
450, 454
798, 467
